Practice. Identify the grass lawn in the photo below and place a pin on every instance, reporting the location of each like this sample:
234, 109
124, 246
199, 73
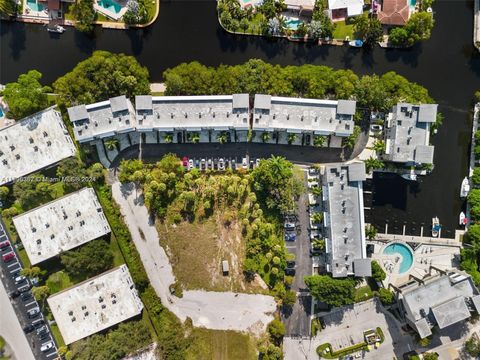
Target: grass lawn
363, 293
117, 253
57, 335
342, 30
217, 344
157, 93
196, 251
24, 258
58, 281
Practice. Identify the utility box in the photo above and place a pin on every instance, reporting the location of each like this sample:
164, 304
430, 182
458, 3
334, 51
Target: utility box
225, 267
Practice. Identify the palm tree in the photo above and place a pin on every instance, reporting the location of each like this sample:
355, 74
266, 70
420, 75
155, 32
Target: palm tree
379, 146
244, 24
291, 138
195, 138
265, 137
111, 144
168, 138
222, 138
373, 163
7, 7
319, 141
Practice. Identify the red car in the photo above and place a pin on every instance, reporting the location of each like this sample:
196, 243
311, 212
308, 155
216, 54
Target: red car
8, 257
4, 244
185, 161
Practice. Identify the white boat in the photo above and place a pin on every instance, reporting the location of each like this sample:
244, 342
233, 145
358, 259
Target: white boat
462, 219
465, 188
356, 43
56, 29
436, 227
410, 176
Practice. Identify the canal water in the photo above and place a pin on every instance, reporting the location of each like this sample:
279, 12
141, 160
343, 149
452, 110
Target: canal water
447, 64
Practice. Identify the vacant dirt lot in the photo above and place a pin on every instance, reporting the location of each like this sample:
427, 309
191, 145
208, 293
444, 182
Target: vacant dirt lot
196, 251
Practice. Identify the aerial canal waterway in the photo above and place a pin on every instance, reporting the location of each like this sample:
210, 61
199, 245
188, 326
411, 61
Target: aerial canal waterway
447, 64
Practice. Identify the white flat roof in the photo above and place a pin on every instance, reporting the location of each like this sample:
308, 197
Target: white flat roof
95, 304
33, 143
61, 225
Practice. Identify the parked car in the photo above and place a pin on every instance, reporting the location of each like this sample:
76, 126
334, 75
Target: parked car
376, 127
46, 347
290, 272
20, 279
32, 313
39, 323
251, 164
24, 288
28, 329
26, 296
221, 164
289, 225
15, 274
244, 163
185, 161
4, 244
197, 163
233, 164
290, 264
257, 162
203, 164
209, 164
227, 164
190, 164
44, 336
290, 236
14, 294
42, 330
8, 257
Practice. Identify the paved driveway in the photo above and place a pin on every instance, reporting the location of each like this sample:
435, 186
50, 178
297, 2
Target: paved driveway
345, 326
212, 310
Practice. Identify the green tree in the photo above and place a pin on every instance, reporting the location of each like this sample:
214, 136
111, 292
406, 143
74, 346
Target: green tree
276, 329
41, 293
373, 163
109, 75
84, 15
318, 244
271, 352
8, 7
475, 176
430, 356
399, 36
333, 292
419, 26
128, 168
371, 93
377, 272
168, 138
222, 138
291, 138
4, 191
289, 298
351, 140
316, 190
371, 232
379, 146
195, 138
97, 173
111, 144
317, 218
472, 346
33, 272
319, 140
89, 260
244, 24
26, 96
34, 192
368, 28
386, 296
265, 136
73, 174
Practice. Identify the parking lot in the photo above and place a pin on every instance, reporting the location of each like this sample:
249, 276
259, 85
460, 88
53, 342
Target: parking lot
26, 307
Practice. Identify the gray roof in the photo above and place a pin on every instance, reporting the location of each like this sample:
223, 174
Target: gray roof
262, 101
357, 172
362, 267
344, 221
346, 107
427, 113
78, 112
143, 102
423, 328
119, 103
451, 312
476, 302
241, 101
424, 154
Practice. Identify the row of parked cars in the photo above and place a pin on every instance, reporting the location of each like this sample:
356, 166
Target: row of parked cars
291, 228
219, 164
23, 292
315, 207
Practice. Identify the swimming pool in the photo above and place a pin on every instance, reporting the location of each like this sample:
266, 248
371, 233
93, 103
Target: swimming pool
404, 251
413, 3
34, 5
110, 5
292, 24
1, 112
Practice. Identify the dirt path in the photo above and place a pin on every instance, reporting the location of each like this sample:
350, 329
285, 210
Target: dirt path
212, 310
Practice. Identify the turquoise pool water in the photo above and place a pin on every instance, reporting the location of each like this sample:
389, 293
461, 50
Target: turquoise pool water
404, 251
110, 5
34, 5
413, 3
1, 112
292, 24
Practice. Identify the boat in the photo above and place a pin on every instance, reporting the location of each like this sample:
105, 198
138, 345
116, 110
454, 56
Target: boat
462, 219
356, 43
465, 188
436, 227
410, 176
56, 29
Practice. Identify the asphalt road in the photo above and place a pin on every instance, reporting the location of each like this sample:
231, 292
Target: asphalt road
19, 308
297, 319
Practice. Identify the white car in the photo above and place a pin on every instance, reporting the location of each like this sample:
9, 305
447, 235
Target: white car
46, 347
376, 127
221, 164
244, 163
257, 162
20, 279
190, 164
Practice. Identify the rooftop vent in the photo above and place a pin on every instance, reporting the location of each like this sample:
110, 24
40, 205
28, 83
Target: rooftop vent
73, 319
39, 241
17, 156
52, 236
228, 114
78, 213
83, 307
49, 143
12, 147
104, 306
45, 134
5, 162
34, 229
35, 148
47, 225
30, 140
70, 313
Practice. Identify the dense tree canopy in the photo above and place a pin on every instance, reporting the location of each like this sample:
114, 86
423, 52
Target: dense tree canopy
276, 329
333, 292
84, 15
472, 346
368, 28
8, 7
377, 272
33, 192
26, 96
89, 260
73, 174
100, 77
417, 28
386, 296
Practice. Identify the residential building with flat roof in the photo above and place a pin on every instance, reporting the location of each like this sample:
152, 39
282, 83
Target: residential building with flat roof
344, 221
102, 119
36, 142
342, 9
95, 304
305, 117
61, 225
407, 134
440, 300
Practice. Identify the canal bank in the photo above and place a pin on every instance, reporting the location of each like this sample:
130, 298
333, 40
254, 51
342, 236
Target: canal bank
449, 69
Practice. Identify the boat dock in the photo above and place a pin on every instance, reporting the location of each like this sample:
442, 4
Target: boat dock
457, 241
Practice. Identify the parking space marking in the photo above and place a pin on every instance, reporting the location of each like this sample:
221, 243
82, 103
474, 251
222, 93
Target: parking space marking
51, 354
12, 271
34, 322
291, 247
30, 303
15, 263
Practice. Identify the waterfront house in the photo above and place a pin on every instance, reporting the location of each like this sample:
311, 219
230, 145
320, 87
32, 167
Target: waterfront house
344, 221
342, 9
407, 134
297, 120
394, 12
440, 300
